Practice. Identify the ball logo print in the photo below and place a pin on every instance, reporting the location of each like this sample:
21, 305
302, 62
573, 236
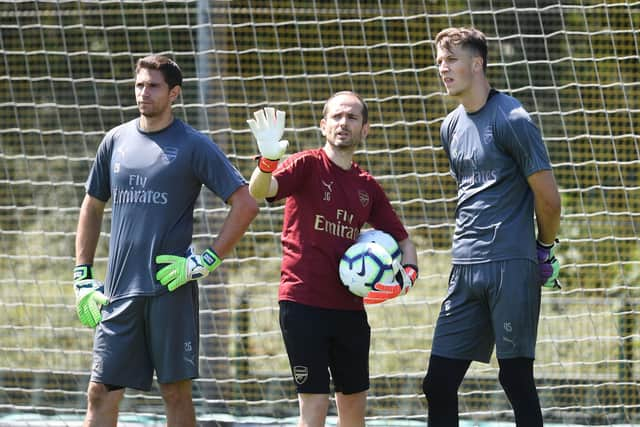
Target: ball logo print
386, 241
363, 265
362, 271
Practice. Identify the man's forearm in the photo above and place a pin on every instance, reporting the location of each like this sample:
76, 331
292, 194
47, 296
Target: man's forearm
243, 210
88, 232
260, 184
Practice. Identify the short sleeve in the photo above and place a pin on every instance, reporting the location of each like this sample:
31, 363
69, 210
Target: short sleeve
521, 139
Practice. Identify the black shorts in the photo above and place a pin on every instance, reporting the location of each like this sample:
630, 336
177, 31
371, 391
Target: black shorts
322, 341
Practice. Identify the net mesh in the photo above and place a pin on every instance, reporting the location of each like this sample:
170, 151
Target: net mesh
66, 77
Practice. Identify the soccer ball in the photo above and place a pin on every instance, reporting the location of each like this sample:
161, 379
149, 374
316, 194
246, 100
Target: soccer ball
363, 265
386, 241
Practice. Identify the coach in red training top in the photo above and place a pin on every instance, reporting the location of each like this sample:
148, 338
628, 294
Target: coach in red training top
328, 200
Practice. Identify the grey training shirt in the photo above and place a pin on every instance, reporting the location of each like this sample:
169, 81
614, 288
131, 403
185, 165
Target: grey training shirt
491, 153
153, 181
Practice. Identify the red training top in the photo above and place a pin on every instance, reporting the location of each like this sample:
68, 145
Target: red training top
325, 209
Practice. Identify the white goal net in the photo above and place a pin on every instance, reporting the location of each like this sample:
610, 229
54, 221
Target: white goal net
66, 77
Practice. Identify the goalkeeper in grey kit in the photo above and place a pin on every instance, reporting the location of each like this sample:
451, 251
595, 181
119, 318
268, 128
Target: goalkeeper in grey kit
146, 316
504, 177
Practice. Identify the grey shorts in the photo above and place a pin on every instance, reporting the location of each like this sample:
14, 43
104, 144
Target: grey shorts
494, 303
140, 335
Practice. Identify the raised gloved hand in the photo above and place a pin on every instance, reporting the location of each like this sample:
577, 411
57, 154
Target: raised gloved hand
548, 264
267, 128
404, 281
89, 295
181, 270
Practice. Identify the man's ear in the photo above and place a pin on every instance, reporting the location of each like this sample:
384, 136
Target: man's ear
365, 130
174, 93
477, 63
323, 122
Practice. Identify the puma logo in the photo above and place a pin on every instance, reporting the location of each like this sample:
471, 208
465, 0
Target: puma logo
510, 341
328, 189
328, 186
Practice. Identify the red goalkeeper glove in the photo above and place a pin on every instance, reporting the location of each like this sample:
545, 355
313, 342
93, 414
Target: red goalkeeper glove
404, 281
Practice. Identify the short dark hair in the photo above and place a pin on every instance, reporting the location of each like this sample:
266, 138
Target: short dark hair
365, 109
167, 66
467, 38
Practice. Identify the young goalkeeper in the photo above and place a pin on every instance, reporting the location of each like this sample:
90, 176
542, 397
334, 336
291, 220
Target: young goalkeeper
504, 176
146, 317
328, 199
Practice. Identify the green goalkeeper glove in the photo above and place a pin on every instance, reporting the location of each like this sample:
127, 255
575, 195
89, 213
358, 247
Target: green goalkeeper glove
181, 270
89, 295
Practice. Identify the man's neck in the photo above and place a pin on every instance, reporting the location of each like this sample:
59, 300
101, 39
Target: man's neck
342, 158
476, 98
155, 124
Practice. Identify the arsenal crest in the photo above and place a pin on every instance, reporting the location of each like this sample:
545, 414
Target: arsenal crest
169, 154
364, 197
300, 374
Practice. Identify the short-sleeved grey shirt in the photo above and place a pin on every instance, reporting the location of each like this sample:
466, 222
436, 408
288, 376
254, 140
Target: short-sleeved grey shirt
491, 153
153, 181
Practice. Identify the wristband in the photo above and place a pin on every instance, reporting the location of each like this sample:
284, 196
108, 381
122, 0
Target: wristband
547, 245
82, 272
413, 271
267, 165
211, 259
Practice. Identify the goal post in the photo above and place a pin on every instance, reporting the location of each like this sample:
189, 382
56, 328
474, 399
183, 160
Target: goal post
66, 78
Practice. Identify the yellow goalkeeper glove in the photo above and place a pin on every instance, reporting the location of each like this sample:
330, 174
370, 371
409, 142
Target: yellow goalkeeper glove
89, 295
181, 270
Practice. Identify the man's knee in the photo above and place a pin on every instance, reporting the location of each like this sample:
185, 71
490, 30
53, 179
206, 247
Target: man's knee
516, 376
352, 407
103, 396
443, 377
96, 393
176, 393
313, 409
